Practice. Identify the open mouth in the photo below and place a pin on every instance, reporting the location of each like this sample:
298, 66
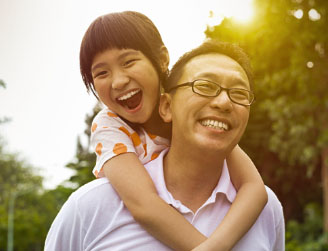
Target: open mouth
219, 125
131, 100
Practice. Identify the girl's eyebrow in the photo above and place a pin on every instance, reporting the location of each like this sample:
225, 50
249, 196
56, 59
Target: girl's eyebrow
98, 66
128, 53
124, 54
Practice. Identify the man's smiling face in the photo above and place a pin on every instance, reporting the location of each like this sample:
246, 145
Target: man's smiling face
211, 123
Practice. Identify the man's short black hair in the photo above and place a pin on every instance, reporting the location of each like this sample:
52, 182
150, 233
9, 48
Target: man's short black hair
210, 46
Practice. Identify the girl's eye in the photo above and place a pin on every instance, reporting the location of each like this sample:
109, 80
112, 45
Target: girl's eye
100, 74
129, 62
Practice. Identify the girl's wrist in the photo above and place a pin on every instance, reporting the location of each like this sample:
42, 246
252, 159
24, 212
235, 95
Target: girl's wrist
209, 245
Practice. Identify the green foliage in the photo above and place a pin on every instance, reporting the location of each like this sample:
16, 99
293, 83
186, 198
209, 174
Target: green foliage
292, 95
34, 208
18, 182
288, 128
5, 119
85, 159
307, 236
2, 83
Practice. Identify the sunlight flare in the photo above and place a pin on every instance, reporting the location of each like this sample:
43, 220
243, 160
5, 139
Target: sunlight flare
239, 10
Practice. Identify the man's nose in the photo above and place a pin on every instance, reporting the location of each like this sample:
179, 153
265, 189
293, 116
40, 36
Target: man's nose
222, 102
120, 80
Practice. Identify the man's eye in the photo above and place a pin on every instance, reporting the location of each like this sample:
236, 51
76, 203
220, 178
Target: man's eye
206, 87
239, 94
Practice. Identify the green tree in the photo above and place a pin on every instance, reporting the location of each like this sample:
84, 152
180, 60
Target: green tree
26, 209
24, 199
2, 83
85, 159
20, 188
5, 119
289, 121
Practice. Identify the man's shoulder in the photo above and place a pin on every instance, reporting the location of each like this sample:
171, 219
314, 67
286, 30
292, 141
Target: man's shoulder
273, 208
267, 233
273, 200
94, 190
88, 213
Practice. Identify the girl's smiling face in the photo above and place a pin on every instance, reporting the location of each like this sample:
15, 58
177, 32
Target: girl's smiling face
127, 83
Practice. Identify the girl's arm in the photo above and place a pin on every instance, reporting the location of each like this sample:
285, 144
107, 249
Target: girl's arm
135, 187
247, 206
132, 182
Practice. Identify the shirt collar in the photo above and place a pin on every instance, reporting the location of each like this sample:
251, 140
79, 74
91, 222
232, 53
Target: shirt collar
155, 169
224, 186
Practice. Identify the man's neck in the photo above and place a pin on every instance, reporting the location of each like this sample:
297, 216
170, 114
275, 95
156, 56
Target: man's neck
191, 176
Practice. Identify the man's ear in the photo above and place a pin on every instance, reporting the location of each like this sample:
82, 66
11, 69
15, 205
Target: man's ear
165, 58
165, 107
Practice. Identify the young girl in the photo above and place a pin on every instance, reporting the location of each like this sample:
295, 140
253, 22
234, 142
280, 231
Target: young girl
123, 62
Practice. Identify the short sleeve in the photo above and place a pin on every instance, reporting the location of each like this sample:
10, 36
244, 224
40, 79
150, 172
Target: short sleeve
110, 136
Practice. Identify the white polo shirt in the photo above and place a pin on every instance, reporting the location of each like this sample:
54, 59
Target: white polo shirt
95, 218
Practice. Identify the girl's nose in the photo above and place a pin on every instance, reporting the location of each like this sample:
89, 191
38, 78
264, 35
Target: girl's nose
120, 80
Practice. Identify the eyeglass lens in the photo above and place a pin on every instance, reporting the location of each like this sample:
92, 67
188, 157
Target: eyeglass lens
207, 88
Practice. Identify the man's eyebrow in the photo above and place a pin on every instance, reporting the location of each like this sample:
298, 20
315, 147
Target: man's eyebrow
124, 54
216, 78
243, 83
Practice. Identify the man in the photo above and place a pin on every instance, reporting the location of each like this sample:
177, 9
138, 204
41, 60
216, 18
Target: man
207, 101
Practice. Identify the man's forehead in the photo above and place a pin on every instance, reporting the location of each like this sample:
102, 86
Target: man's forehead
213, 66
212, 59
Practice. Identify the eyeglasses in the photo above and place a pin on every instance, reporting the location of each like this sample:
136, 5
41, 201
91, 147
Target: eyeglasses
208, 88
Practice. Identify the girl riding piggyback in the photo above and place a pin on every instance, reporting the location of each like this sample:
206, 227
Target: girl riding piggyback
123, 62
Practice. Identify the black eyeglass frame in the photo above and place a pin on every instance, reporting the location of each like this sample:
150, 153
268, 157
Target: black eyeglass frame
218, 92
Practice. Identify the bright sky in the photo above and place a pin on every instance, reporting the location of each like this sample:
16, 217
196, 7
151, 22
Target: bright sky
39, 62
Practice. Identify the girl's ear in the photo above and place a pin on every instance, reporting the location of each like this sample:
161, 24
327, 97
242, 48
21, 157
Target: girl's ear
165, 107
165, 58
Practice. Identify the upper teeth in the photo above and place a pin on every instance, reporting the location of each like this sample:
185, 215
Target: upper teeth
214, 124
128, 95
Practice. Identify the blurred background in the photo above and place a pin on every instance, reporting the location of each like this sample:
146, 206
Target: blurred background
45, 112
